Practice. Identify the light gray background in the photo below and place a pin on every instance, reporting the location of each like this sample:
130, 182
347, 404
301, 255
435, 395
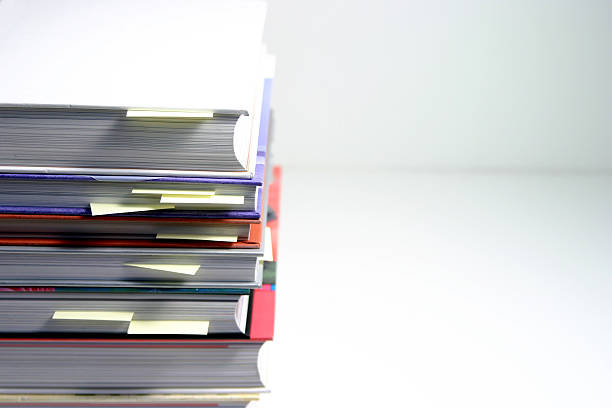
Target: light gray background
443, 83
446, 229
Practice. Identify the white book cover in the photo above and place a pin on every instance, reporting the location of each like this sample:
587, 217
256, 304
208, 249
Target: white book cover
173, 54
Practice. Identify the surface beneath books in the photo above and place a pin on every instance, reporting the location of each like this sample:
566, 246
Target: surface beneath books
503, 298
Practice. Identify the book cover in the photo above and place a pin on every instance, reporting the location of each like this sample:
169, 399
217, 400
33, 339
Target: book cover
264, 299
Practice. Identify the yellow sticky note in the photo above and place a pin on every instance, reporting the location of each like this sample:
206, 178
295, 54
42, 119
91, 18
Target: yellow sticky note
179, 192
168, 327
268, 253
93, 315
104, 208
201, 199
168, 113
183, 269
199, 237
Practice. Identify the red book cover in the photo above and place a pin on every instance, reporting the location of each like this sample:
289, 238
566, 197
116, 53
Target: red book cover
274, 210
264, 299
253, 241
102, 218
262, 313
136, 243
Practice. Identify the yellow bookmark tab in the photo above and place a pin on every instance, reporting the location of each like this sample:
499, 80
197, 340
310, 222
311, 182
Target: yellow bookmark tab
104, 208
93, 315
201, 199
168, 113
179, 192
182, 269
168, 327
199, 237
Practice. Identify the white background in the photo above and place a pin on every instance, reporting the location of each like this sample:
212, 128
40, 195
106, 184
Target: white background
442, 83
446, 229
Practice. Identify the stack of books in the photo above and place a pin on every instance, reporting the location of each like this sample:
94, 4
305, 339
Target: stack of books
138, 203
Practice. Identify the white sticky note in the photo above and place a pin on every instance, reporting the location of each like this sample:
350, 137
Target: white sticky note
93, 315
199, 237
268, 252
168, 113
182, 269
179, 192
168, 327
201, 199
104, 208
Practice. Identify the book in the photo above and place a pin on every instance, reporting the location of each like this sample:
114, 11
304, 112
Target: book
237, 400
167, 266
107, 90
80, 311
201, 232
129, 366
